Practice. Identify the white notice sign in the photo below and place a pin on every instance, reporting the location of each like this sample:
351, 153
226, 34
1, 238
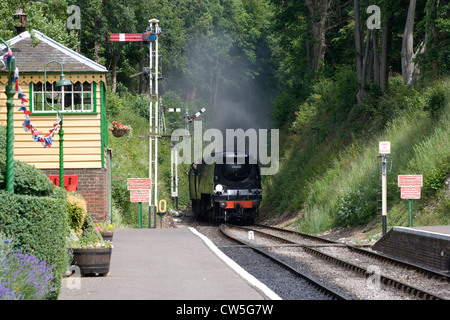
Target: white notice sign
384, 147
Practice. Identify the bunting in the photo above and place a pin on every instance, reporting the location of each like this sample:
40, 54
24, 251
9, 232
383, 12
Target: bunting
46, 140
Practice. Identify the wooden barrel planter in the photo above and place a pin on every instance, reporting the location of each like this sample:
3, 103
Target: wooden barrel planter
92, 261
107, 236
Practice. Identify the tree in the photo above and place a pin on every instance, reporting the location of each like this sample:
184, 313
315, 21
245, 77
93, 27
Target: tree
48, 17
358, 50
408, 55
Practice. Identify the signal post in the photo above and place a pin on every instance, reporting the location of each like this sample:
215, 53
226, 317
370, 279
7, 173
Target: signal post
151, 36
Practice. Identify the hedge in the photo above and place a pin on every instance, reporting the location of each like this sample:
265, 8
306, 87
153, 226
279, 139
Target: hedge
38, 226
35, 215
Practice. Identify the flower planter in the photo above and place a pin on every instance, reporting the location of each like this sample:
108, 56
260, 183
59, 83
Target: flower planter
92, 260
119, 132
107, 236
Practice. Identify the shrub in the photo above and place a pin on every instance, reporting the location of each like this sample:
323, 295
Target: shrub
90, 231
435, 178
356, 207
22, 276
38, 225
76, 212
27, 179
2, 139
435, 101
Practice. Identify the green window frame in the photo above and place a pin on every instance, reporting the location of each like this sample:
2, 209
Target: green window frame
78, 98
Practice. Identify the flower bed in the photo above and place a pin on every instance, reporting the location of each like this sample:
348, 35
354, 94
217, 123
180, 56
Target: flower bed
23, 276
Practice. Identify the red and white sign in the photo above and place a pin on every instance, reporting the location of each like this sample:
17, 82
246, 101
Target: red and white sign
384, 147
139, 183
410, 180
125, 37
410, 192
139, 195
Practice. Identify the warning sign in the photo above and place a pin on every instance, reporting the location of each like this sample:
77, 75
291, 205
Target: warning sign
410, 192
410, 180
139, 183
384, 147
139, 195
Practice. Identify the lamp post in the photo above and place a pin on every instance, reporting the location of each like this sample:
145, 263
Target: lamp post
10, 92
62, 82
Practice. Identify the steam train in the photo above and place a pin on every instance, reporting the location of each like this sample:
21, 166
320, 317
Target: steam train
226, 187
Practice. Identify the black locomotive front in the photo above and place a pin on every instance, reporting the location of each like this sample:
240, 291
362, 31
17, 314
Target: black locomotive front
226, 187
237, 190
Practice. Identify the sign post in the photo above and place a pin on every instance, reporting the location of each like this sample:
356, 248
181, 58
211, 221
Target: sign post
140, 192
384, 149
410, 212
410, 189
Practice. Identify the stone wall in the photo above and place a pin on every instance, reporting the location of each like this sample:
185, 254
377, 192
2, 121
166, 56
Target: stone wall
429, 249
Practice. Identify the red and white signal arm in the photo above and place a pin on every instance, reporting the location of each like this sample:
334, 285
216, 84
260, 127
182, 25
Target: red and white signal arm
132, 37
384, 147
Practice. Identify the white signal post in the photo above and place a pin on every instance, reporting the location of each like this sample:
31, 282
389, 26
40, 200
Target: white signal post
384, 149
151, 35
153, 152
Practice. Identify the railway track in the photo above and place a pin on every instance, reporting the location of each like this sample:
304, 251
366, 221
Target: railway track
376, 271
305, 286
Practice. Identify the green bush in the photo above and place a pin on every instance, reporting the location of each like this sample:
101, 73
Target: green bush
38, 226
76, 212
27, 179
2, 139
89, 230
356, 207
435, 178
435, 100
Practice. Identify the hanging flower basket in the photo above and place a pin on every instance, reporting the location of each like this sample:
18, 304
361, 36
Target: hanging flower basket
119, 132
118, 129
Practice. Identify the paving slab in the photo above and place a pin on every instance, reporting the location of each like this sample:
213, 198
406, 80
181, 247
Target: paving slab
166, 264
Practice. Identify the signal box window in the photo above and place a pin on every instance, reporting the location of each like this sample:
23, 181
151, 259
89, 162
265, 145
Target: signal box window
78, 97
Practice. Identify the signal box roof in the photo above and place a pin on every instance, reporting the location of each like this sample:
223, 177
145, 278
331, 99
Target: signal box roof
31, 58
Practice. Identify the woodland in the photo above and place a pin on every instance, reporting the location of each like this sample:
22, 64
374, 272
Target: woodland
332, 75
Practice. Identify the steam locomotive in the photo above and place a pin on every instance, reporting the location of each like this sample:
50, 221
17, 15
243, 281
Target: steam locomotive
228, 190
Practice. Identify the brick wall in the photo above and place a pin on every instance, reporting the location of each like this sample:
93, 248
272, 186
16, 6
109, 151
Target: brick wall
430, 250
94, 186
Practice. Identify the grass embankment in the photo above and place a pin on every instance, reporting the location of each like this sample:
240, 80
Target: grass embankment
333, 178
130, 156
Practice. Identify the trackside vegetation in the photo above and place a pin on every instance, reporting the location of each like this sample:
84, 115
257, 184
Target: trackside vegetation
332, 177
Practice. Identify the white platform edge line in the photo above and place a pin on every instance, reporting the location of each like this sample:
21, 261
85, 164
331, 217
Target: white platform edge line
237, 268
423, 233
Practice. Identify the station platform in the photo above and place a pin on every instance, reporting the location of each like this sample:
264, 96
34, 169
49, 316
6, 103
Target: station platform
166, 264
428, 246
